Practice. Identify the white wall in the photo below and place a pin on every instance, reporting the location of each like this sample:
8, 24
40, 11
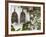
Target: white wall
2, 19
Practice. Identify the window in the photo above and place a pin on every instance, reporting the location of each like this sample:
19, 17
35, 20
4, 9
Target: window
22, 17
14, 17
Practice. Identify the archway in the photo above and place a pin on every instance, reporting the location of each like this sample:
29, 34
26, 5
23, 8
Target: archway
14, 17
22, 17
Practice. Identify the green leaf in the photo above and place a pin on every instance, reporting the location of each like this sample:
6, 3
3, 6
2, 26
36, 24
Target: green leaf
12, 28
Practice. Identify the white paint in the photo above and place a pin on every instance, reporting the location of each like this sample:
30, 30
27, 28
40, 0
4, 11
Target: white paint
18, 11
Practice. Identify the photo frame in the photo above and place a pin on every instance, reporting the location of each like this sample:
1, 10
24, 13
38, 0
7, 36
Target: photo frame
24, 18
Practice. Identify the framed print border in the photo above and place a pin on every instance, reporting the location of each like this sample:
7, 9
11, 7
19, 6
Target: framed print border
6, 17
